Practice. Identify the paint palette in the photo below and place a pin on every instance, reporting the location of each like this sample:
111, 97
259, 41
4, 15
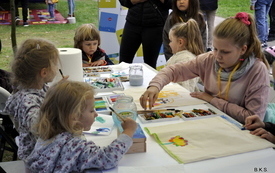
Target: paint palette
159, 115
97, 70
194, 113
102, 103
104, 84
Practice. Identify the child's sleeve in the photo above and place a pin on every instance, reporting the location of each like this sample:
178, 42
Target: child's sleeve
93, 156
270, 127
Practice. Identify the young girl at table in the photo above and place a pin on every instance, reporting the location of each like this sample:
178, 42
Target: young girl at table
265, 130
67, 110
183, 10
87, 39
186, 44
235, 74
35, 64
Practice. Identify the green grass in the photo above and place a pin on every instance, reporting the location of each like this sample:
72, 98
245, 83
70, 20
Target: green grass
86, 12
228, 8
60, 34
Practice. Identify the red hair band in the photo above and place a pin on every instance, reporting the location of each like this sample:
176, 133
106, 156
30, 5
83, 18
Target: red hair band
243, 17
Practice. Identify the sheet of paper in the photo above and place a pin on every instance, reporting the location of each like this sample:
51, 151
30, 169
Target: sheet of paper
103, 125
207, 138
171, 95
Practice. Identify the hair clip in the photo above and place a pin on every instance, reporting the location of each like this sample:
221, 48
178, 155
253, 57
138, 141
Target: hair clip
37, 46
243, 17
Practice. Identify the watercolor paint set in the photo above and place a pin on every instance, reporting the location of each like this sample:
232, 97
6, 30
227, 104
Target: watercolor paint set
194, 113
97, 70
172, 114
104, 84
147, 116
102, 103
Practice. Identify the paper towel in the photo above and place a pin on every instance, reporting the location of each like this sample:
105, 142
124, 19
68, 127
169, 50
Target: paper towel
71, 64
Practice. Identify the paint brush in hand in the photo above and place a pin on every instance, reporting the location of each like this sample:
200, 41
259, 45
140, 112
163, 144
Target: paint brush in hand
116, 113
61, 73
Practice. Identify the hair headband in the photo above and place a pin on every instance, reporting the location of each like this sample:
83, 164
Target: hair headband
243, 17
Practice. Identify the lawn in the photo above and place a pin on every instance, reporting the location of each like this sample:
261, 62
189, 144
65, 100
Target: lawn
60, 34
86, 12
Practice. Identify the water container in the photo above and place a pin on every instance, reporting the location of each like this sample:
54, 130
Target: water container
136, 75
124, 106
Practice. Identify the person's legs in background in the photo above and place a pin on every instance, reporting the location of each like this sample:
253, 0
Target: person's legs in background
25, 4
130, 42
261, 11
151, 44
17, 18
271, 35
71, 7
51, 11
210, 19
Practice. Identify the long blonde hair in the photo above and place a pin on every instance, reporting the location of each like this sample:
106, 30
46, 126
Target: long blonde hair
242, 32
33, 55
62, 108
189, 31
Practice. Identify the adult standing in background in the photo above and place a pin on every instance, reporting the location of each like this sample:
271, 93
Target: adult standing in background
144, 25
271, 35
24, 5
261, 8
71, 7
209, 8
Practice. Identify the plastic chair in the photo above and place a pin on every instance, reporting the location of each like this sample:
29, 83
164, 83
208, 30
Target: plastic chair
7, 130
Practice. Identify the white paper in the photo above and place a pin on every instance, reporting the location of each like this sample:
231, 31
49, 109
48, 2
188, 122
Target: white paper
103, 125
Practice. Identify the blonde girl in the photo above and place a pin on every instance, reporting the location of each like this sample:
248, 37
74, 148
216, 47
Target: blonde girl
183, 10
68, 109
34, 65
87, 39
186, 44
235, 74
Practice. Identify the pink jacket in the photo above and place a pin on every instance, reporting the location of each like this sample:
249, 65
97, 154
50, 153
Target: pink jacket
248, 95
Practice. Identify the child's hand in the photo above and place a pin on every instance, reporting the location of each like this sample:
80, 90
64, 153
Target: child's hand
253, 122
129, 126
98, 63
264, 134
150, 95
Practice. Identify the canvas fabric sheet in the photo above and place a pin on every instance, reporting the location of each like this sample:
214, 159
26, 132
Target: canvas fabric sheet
172, 95
207, 138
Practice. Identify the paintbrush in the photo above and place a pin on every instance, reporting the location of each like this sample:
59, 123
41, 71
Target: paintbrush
116, 113
61, 73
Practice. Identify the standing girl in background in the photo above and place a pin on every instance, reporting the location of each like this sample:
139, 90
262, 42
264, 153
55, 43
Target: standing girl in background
68, 109
144, 24
235, 74
87, 39
34, 65
186, 44
183, 10
51, 4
